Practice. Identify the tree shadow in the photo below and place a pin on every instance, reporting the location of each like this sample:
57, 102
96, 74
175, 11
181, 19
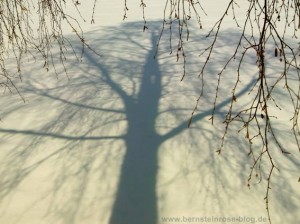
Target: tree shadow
100, 143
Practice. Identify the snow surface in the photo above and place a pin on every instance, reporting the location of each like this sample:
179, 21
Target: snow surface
62, 150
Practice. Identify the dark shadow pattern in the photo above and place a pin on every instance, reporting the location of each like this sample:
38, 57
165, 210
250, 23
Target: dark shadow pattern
136, 196
112, 110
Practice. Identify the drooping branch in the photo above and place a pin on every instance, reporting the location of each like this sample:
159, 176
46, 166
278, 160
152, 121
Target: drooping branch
31, 27
260, 33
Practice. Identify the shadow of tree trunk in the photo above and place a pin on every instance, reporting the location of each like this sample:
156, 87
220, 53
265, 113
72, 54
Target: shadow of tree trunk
135, 200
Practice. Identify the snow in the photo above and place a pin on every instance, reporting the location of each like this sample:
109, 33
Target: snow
62, 150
